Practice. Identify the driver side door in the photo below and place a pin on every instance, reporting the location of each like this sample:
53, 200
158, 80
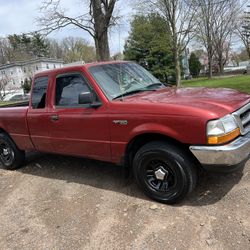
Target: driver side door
77, 129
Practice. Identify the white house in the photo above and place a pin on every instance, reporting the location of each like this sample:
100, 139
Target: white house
13, 75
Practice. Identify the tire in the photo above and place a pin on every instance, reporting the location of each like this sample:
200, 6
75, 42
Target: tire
10, 156
164, 172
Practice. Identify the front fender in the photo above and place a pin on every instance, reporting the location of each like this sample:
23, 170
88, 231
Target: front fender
154, 128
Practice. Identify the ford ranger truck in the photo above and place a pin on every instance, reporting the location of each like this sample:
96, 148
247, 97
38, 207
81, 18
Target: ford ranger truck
118, 112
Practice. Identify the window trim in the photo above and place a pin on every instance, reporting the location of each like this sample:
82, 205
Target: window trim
80, 106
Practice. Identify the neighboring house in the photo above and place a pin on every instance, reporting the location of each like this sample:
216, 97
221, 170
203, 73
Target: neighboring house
13, 75
244, 63
234, 62
185, 62
74, 64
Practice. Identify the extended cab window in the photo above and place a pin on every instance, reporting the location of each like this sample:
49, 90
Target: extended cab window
39, 92
68, 89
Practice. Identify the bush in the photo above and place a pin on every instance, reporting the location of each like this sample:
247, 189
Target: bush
194, 65
27, 85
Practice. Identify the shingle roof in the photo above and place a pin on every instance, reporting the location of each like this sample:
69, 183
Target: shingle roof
23, 63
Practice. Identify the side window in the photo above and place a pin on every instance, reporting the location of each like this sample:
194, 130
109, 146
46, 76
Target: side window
68, 89
39, 92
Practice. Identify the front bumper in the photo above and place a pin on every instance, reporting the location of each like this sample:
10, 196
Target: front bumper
224, 158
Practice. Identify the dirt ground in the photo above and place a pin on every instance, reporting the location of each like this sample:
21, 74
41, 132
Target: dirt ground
57, 202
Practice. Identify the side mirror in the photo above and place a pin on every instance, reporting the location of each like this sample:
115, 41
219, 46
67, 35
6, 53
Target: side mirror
88, 99
85, 98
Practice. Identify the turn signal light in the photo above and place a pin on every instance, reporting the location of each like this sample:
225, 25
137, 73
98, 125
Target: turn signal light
224, 138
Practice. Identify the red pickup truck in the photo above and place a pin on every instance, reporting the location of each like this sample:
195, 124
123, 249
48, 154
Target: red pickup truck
118, 112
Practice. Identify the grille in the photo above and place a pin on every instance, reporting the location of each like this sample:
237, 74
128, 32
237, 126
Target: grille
243, 118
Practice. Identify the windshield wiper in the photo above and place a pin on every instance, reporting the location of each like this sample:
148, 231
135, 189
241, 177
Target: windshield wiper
132, 92
157, 84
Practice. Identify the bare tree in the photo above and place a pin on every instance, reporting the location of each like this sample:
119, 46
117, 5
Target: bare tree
4, 80
179, 16
6, 52
216, 20
243, 30
206, 14
55, 48
222, 52
22, 47
96, 20
223, 29
77, 49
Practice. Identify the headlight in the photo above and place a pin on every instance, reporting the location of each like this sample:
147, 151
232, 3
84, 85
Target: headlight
222, 130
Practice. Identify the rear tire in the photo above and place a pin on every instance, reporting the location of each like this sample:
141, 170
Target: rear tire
10, 155
164, 172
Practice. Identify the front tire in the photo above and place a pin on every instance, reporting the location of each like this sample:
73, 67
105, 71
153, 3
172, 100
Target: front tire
10, 156
164, 172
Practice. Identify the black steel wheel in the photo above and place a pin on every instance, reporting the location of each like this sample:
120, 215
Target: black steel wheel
10, 156
160, 176
6, 153
164, 172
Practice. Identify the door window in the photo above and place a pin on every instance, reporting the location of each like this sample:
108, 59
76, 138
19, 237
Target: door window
68, 89
39, 92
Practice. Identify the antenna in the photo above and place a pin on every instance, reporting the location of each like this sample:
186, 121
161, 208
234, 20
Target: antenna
120, 65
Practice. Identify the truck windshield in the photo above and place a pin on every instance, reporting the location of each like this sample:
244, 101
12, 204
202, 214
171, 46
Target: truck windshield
118, 79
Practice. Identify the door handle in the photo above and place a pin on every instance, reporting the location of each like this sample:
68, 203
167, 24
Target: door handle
54, 118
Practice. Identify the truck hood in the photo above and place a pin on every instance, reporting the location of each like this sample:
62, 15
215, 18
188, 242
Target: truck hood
221, 101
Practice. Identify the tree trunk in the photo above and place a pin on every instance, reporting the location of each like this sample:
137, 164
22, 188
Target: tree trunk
221, 67
102, 13
248, 51
102, 46
210, 63
221, 64
177, 68
210, 69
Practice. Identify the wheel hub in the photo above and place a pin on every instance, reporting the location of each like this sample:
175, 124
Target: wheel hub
5, 152
160, 174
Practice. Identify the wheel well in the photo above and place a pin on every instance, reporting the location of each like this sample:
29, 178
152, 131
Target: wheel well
3, 131
136, 143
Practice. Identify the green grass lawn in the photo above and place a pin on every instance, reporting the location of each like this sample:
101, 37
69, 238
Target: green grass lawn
241, 83
2, 103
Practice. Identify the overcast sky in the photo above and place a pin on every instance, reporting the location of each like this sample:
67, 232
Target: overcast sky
18, 16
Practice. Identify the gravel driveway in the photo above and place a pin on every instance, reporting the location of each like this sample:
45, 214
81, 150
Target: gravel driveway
57, 202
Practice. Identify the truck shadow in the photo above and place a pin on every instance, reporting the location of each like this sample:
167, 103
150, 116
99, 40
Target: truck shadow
210, 189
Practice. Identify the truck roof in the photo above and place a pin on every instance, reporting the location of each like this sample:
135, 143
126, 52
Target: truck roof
75, 67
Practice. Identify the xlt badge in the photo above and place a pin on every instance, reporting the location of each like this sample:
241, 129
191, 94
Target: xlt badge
121, 122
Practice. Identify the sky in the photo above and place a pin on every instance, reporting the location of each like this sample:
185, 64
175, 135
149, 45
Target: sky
19, 16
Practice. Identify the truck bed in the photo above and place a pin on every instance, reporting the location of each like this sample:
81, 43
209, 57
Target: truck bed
13, 119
